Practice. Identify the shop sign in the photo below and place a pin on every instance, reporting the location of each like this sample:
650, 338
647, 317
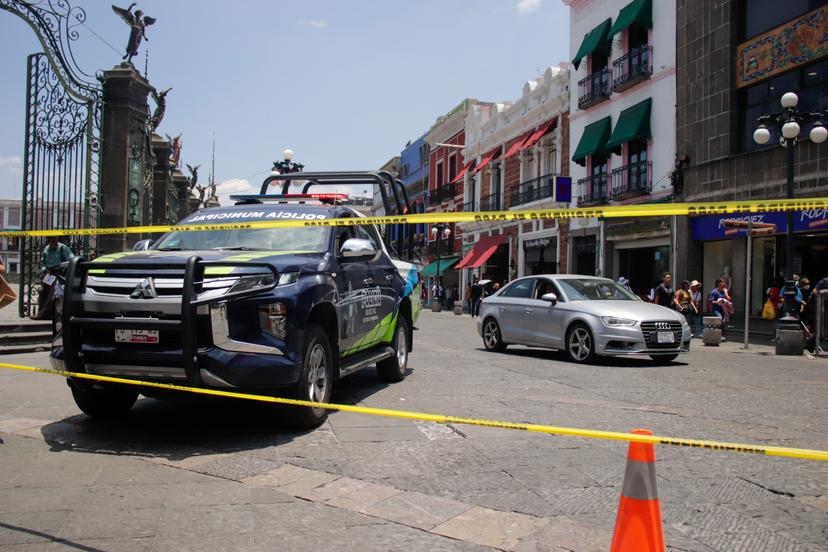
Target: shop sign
713, 227
538, 242
563, 188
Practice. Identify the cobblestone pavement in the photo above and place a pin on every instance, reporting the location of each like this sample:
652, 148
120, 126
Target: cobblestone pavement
219, 475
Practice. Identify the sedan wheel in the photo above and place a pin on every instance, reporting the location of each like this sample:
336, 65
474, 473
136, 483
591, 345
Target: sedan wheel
492, 338
579, 344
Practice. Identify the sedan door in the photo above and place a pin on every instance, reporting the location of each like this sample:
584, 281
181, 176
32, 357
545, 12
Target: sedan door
512, 306
544, 320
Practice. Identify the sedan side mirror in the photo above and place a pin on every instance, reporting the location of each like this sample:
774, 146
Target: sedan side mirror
142, 245
550, 297
355, 248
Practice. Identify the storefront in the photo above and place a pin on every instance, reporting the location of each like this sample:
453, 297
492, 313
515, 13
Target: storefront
644, 266
490, 256
725, 251
539, 255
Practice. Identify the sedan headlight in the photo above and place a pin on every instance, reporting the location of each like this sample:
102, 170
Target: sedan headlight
615, 322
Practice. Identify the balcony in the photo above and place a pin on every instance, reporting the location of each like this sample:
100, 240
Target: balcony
595, 88
634, 179
491, 202
445, 192
536, 189
632, 68
446, 247
593, 190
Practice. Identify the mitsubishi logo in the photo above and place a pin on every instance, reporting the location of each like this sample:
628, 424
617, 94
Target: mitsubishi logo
144, 290
662, 325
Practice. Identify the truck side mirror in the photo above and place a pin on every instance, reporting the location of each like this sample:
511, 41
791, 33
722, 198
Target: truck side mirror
142, 245
356, 248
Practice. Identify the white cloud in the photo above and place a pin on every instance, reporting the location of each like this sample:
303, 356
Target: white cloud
528, 6
232, 186
315, 23
13, 165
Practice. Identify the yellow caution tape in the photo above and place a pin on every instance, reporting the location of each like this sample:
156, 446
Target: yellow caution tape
611, 211
785, 452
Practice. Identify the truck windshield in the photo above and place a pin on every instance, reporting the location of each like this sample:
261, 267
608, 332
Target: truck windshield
265, 239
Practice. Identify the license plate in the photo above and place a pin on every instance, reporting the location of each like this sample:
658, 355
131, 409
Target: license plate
136, 336
666, 337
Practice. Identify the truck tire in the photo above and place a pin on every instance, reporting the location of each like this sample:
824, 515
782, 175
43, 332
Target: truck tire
102, 400
392, 369
315, 382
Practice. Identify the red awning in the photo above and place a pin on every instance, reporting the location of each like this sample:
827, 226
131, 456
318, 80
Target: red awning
462, 172
517, 146
485, 160
540, 133
481, 251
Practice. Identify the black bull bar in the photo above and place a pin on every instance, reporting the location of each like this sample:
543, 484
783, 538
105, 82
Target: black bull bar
74, 318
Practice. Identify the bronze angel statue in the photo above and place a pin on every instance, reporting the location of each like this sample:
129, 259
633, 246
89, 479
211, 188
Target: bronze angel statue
138, 23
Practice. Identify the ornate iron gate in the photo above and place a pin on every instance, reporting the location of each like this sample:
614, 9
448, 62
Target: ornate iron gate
59, 183
62, 147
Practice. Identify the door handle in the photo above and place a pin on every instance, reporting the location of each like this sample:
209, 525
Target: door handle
502, 309
528, 311
389, 277
368, 281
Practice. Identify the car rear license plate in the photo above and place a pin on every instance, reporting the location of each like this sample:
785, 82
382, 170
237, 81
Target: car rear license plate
136, 336
666, 337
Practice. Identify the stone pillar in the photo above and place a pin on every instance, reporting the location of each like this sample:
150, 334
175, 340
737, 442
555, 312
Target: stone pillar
181, 184
164, 204
123, 154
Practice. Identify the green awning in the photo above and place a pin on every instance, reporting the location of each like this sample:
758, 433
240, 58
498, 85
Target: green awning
633, 123
594, 40
445, 264
593, 140
637, 11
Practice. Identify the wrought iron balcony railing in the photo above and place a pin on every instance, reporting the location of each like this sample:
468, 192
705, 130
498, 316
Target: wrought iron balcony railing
594, 88
632, 68
491, 202
446, 192
536, 189
446, 247
632, 180
593, 190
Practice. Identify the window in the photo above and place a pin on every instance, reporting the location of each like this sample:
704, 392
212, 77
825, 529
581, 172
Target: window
760, 16
14, 217
636, 36
368, 232
637, 165
551, 156
424, 151
544, 287
452, 168
809, 82
13, 268
522, 289
438, 172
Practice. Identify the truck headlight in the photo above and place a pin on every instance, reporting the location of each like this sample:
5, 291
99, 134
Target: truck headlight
615, 322
273, 319
251, 281
286, 278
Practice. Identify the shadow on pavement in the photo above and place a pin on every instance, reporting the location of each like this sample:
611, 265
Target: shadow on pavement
184, 426
615, 362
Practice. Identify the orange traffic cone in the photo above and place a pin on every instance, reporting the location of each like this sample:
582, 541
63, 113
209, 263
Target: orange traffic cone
638, 525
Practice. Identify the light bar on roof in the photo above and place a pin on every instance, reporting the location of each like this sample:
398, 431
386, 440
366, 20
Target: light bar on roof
326, 197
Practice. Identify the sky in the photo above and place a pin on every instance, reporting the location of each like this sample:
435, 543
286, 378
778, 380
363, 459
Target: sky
344, 84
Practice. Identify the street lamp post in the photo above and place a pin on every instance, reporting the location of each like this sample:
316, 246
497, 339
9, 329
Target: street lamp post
788, 122
439, 230
287, 165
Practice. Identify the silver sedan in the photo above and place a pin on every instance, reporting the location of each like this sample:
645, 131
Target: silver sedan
582, 315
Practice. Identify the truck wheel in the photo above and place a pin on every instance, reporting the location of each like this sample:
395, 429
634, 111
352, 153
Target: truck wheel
393, 368
102, 400
315, 381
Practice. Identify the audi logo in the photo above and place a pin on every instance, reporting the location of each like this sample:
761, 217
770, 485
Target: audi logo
662, 325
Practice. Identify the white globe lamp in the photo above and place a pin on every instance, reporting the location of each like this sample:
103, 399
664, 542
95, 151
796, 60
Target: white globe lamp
790, 130
761, 135
287, 154
789, 99
819, 134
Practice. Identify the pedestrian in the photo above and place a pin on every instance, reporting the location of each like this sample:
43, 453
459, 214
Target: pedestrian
717, 299
476, 295
624, 283
51, 258
696, 308
449, 296
791, 302
682, 301
805, 289
664, 291
467, 296
495, 287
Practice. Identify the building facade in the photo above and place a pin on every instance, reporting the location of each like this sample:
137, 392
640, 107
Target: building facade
10, 219
622, 134
735, 60
414, 175
517, 157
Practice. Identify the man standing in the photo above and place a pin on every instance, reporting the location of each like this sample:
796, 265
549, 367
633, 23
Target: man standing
53, 255
664, 291
476, 296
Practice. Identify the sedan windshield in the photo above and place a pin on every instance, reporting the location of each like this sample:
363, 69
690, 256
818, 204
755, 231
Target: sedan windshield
265, 239
594, 290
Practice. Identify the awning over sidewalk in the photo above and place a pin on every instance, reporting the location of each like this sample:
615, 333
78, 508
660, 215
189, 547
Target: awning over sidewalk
542, 131
633, 123
481, 251
462, 172
486, 159
446, 263
637, 11
595, 40
593, 140
517, 145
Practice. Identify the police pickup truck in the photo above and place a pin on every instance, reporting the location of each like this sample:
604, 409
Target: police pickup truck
281, 311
